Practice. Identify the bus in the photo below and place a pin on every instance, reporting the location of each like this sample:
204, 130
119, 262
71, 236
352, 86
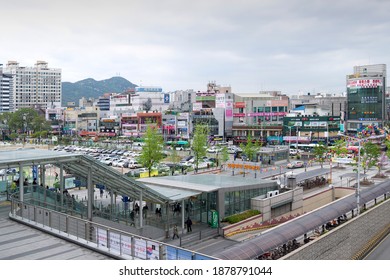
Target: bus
304, 147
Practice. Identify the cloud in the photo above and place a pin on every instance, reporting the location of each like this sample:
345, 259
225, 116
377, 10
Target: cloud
252, 45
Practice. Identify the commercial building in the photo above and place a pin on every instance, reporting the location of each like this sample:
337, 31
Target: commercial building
34, 87
366, 98
319, 104
136, 124
175, 125
304, 129
214, 108
259, 115
150, 99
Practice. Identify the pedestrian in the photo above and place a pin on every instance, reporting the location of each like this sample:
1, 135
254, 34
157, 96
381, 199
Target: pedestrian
13, 187
132, 217
175, 232
56, 176
189, 225
145, 211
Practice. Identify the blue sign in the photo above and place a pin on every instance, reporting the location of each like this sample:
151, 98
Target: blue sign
35, 172
166, 98
148, 89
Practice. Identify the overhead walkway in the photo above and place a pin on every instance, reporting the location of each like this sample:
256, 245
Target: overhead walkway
92, 173
82, 166
112, 179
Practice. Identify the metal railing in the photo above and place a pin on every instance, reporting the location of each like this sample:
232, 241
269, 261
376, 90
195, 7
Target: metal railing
99, 237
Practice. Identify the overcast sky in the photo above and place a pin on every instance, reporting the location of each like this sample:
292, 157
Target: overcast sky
287, 45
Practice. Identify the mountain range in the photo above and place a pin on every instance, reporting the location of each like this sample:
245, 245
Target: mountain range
90, 88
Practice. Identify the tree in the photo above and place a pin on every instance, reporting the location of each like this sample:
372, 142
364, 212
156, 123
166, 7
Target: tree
147, 105
250, 149
382, 160
387, 143
340, 148
369, 154
24, 120
175, 159
199, 143
21, 120
152, 151
224, 155
319, 152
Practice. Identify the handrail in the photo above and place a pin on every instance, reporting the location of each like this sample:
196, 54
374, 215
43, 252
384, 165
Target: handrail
105, 239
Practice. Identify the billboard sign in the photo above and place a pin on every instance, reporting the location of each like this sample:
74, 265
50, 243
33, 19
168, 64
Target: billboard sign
365, 83
166, 98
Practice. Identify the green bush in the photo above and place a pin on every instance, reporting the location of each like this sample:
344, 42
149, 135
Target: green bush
241, 216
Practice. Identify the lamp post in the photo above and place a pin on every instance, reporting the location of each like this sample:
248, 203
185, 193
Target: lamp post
24, 128
289, 142
327, 134
358, 170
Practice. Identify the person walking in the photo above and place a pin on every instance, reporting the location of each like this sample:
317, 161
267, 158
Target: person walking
189, 225
175, 232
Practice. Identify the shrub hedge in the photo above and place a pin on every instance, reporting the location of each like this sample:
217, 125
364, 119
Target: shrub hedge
240, 216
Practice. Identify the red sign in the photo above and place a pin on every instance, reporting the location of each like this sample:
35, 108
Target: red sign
366, 83
239, 105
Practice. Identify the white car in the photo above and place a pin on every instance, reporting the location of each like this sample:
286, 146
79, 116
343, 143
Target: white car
107, 161
123, 163
214, 150
134, 164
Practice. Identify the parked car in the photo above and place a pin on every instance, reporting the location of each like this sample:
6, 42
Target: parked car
134, 164
214, 150
107, 160
295, 164
122, 163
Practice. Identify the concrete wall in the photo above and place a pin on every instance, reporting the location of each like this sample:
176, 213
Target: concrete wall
327, 196
293, 197
298, 204
345, 241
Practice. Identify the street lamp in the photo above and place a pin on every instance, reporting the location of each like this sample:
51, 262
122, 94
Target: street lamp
289, 142
327, 134
358, 170
24, 128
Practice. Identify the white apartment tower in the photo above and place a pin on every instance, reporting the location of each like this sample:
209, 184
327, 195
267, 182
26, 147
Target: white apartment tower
6, 104
35, 87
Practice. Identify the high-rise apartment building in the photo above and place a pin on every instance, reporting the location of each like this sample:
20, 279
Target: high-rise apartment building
366, 98
36, 87
6, 104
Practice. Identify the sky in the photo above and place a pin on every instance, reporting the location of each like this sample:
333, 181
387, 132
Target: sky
292, 46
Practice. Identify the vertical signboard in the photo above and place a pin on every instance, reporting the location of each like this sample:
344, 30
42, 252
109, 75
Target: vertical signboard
229, 111
166, 98
220, 100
